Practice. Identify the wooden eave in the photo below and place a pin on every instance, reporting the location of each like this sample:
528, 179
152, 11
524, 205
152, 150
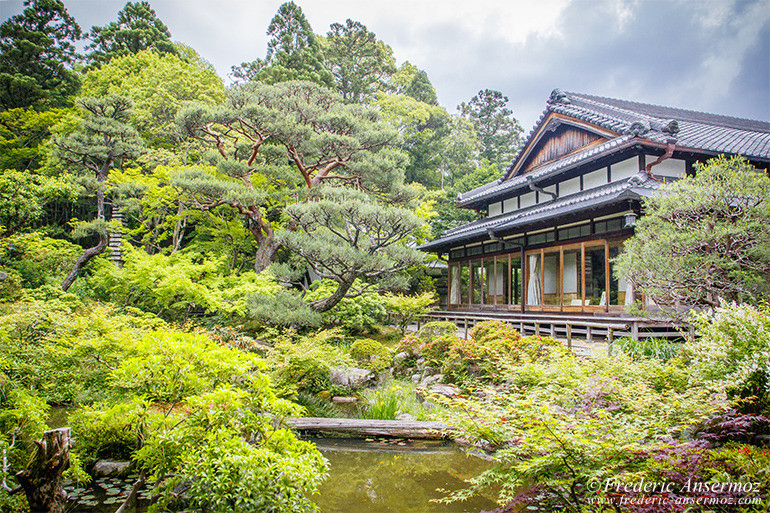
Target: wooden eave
548, 125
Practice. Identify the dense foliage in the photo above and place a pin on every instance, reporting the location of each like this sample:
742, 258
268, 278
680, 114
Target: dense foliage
190, 413
578, 434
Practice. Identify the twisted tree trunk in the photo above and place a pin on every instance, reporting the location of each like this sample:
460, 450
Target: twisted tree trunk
83, 259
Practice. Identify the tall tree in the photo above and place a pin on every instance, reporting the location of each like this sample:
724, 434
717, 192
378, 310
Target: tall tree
293, 52
704, 240
138, 28
323, 140
103, 140
359, 63
499, 132
411, 81
460, 151
422, 128
37, 55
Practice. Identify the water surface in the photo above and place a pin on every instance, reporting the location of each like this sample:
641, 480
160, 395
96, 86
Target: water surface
384, 477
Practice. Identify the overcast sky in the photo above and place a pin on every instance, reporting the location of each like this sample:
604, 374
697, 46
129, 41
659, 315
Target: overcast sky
708, 55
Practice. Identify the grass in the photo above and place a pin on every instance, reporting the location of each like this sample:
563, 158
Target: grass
394, 397
317, 407
657, 348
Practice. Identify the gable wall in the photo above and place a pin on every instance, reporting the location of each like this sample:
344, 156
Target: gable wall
564, 140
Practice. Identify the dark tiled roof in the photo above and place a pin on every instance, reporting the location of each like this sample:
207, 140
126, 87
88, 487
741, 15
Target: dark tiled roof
710, 133
697, 130
552, 168
637, 186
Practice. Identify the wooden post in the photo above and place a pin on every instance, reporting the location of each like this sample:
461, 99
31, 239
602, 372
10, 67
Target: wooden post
589, 335
610, 333
634, 330
41, 480
537, 329
466, 328
569, 336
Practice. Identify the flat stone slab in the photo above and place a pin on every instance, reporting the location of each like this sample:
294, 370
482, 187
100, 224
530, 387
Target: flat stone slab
369, 427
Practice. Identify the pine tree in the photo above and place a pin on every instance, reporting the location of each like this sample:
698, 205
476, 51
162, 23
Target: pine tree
37, 55
138, 28
324, 140
103, 140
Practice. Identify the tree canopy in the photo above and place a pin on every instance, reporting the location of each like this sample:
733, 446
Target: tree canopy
360, 64
293, 52
137, 28
265, 126
499, 132
157, 85
37, 57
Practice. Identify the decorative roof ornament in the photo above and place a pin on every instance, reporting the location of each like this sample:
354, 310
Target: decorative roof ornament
637, 179
559, 96
672, 126
639, 127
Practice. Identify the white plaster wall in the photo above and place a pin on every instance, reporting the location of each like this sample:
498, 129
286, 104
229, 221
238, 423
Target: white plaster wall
495, 209
595, 179
673, 168
527, 200
569, 187
625, 169
510, 205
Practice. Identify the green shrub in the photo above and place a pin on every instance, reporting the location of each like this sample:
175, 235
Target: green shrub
304, 365
436, 329
732, 350
496, 336
36, 259
371, 354
10, 287
405, 310
105, 432
177, 285
437, 349
22, 421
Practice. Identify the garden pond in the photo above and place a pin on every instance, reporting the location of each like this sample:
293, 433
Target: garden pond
365, 476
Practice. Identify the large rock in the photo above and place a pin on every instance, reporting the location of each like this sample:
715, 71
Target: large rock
341, 399
400, 357
430, 380
109, 468
447, 390
353, 377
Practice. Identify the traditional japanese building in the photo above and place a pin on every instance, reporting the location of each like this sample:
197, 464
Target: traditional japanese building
560, 213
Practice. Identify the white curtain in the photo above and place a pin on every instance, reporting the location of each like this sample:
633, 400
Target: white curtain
629, 294
454, 286
534, 289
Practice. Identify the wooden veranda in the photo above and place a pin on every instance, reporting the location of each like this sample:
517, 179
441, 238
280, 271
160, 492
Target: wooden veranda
566, 326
